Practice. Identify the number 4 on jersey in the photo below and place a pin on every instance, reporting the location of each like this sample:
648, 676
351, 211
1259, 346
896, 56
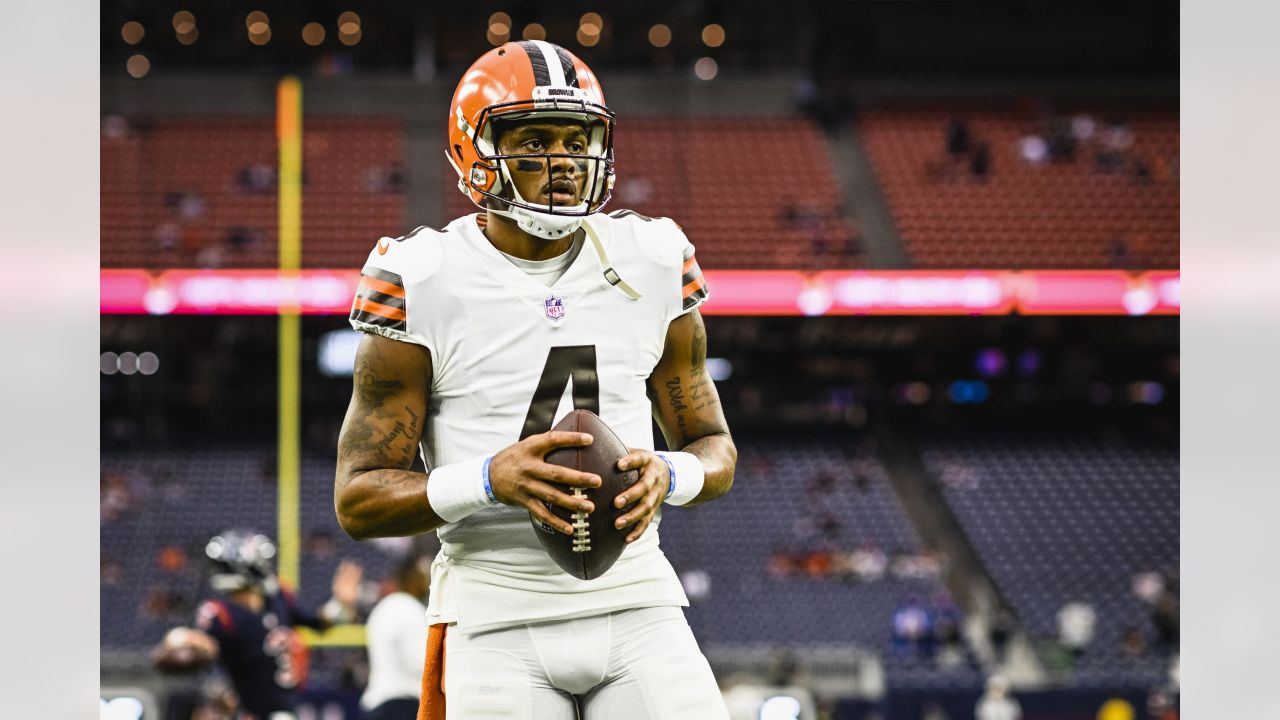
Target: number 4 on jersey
564, 363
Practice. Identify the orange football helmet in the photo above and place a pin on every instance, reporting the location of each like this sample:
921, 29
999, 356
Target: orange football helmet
522, 81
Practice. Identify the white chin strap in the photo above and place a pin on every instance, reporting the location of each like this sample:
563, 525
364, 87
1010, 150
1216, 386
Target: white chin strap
544, 225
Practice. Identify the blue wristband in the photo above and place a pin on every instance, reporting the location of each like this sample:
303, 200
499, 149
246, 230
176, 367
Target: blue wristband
671, 487
488, 487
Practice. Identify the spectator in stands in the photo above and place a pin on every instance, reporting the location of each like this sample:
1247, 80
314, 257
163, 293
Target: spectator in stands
912, 629
1165, 616
1133, 643
980, 162
868, 562
1119, 254
256, 178
396, 634
1077, 623
172, 559
1062, 141
1034, 149
947, 618
958, 138
1003, 626
1113, 151
1082, 127
996, 703
115, 498
166, 236
240, 238
385, 179
191, 206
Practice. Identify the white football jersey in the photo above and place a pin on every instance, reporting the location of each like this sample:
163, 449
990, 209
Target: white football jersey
510, 358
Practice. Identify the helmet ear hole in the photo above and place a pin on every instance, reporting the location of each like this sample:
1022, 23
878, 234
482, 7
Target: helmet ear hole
458, 150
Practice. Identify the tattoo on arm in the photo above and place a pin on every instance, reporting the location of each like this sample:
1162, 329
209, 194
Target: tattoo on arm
378, 434
687, 404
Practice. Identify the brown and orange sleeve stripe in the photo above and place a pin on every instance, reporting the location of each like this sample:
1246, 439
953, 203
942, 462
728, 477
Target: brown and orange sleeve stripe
380, 300
693, 287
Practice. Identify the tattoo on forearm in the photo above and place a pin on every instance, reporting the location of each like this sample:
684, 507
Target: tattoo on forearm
372, 387
675, 396
403, 454
701, 395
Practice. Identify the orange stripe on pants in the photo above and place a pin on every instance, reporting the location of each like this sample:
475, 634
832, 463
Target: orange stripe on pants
431, 706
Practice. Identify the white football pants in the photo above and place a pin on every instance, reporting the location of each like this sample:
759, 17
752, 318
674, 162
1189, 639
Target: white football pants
641, 664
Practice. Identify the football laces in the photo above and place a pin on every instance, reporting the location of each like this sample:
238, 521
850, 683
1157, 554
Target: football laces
581, 528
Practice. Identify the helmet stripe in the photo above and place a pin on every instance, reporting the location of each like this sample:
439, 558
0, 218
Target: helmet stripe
566, 64
553, 62
541, 73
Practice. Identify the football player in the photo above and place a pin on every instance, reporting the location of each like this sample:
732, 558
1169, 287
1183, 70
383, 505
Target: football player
480, 336
248, 629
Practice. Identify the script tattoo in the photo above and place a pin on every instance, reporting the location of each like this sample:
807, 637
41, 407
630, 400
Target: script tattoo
675, 395
378, 434
372, 387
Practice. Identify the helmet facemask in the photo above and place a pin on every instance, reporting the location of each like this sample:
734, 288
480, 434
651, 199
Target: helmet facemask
491, 174
241, 560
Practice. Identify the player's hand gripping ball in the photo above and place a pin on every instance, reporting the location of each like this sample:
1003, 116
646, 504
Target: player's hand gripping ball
183, 650
596, 543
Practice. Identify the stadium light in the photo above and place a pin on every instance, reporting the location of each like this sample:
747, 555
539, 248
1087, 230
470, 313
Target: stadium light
148, 363
256, 16
498, 38
313, 33
349, 28
591, 20
588, 35
260, 33
534, 31
706, 68
189, 38
713, 35
183, 22
128, 363
132, 32
109, 363
660, 35
138, 66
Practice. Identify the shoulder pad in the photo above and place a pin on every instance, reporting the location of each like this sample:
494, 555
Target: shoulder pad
412, 257
659, 239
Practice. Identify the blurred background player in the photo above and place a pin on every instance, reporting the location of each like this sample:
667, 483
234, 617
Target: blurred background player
248, 626
394, 635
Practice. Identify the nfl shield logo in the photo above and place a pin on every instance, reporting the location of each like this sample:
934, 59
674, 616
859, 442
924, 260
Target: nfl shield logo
554, 307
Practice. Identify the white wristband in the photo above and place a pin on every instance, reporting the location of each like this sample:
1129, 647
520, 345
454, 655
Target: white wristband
687, 476
459, 489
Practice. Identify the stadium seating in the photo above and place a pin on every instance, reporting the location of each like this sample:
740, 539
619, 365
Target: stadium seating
1053, 519
749, 193
176, 189
1068, 518
1051, 215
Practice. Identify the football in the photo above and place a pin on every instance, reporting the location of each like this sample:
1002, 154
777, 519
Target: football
596, 544
182, 651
